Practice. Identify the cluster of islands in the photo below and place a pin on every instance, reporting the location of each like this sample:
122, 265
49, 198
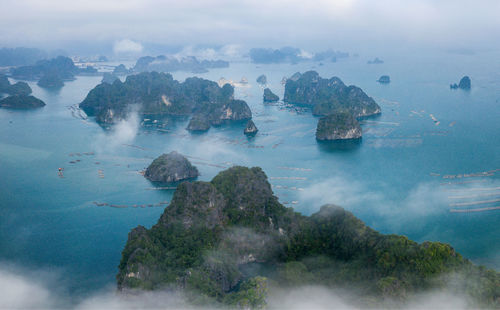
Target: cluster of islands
230, 241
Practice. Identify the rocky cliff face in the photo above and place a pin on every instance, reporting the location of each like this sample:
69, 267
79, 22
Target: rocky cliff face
221, 240
250, 128
171, 167
327, 96
338, 126
158, 93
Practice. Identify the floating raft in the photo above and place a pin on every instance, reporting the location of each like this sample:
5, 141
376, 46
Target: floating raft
295, 169
475, 196
473, 203
104, 204
475, 189
161, 188
288, 178
293, 188
136, 146
474, 210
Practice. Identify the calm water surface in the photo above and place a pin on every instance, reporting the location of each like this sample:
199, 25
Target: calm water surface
393, 180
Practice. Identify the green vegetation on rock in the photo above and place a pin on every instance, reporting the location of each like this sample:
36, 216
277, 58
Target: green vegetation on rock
230, 240
338, 126
158, 93
21, 102
327, 96
171, 167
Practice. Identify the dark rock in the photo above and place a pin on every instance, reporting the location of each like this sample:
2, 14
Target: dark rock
375, 61
171, 167
21, 102
464, 83
62, 66
50, 80
269, 96
384, 79
198, 123
262, 79
20, 88
250, 128
159, 93
338, 126
327, 96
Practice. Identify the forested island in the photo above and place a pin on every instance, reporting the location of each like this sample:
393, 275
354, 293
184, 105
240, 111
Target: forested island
22, 102
292, 55
19, 88
170, 64
229, 241
171, 167
338, 126
159, 94
327, 96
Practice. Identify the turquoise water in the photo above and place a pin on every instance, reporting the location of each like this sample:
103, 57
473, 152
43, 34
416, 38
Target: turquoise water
393, 180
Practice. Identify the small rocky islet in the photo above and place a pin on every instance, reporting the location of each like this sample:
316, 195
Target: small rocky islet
269, 96
465, 84
338, 126
22, 102
250, 128
171, 167
384, 79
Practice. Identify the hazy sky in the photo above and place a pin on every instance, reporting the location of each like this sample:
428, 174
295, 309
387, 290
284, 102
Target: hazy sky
342, 24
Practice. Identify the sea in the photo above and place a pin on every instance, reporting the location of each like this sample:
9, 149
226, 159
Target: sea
427, 167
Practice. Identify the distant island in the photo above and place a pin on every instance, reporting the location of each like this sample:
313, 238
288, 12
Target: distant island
109, 78
262, 79
338, 126
51, 80
20, 56
121, 70
384, 79
229, 241
159, 94
61, 66
19, 88
171, 167
292, 55
172, 64
269, 96
327, 96
375, 61
465, 83
22, 102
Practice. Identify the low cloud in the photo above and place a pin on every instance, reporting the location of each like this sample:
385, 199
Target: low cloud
124, 132
127, 46
27, 289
